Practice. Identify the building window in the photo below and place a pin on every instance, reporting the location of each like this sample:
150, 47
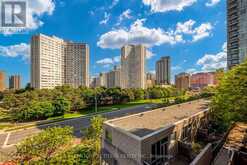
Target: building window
159, 151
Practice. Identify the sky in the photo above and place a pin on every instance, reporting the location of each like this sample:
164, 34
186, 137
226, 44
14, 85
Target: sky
191, 32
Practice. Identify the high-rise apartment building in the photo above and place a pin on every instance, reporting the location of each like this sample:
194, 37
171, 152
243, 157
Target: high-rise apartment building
102, 81
15, 82
55, 62
113, 78
163, 71
150, 80
133, 66
2, 81
182, 81
236, 32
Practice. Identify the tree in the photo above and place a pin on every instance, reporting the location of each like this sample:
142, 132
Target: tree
230, 100
44, 145
92, 142
155, 93
139, 94
61, 105
96, 128
34, 111
1, 96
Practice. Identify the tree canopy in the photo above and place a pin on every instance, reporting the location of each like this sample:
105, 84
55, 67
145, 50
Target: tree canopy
37, 104
44, 145
230, 101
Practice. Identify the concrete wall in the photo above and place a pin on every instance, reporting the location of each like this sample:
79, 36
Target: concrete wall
124, 148
148, 141
205, 156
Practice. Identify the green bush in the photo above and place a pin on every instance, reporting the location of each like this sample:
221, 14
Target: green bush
61, 105
44, 146
35, 111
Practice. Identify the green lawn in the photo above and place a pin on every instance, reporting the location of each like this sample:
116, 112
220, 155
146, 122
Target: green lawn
88, 111
91, 110
3, 126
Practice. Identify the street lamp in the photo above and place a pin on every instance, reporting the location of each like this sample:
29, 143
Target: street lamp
95, 97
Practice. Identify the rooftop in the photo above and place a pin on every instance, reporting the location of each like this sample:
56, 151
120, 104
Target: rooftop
143, 124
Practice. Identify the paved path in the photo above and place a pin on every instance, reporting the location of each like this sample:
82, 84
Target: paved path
8, 140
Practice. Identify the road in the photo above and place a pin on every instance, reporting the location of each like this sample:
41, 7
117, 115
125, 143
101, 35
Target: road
10, 139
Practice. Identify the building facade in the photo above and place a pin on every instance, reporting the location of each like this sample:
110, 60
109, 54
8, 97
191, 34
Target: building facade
201, 80
152, 138
236, 32
15, 82
182, 81
133, 66
2, 81
55, 62
113, 78
102, 81
163, 71
150, 78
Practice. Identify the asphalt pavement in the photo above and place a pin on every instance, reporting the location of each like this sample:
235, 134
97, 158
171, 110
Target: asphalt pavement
8, 140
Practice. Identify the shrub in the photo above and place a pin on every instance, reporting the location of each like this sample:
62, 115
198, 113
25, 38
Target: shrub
35, 111
61, 105
44, 145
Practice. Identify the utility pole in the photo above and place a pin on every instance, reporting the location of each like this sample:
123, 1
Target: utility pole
95, 97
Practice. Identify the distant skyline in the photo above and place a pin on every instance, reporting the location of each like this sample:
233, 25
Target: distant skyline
191, 32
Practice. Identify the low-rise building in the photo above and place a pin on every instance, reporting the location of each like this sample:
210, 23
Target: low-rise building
201, 80
152, 138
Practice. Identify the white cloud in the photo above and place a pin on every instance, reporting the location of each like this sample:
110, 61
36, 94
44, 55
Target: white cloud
106, 18
116, 59
176, 68
168, 5
114, 3
149, 54
214, 61
36, 9
191, 70
137, 34
106, 62
204, 30
186, 27
211, 3
22, 50
152, 72
125, 15
198, 33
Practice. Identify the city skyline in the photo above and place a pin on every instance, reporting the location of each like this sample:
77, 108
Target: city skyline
135, 17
